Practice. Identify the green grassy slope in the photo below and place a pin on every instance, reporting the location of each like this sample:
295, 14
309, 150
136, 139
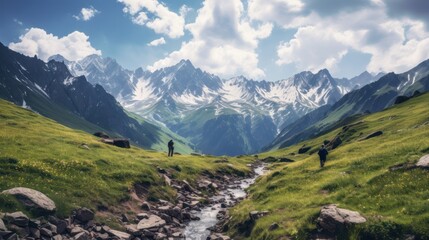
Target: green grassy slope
356, 177
39, 153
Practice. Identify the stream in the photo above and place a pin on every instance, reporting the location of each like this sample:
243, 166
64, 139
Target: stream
197, 230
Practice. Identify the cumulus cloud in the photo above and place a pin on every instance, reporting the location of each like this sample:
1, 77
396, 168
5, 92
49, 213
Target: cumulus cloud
224, 41
156, 42
324, 34
36, 41
163, 21
86, 14
312, 49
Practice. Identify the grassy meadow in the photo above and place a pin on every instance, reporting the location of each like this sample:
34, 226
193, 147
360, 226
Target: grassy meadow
356, 176
75, 169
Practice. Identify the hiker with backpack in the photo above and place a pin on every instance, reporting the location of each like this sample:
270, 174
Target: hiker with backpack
170, 148
322, 155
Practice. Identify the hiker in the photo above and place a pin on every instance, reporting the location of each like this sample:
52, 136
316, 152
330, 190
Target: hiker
170, 148
322, 155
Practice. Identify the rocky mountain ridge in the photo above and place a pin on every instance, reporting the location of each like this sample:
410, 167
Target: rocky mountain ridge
197, 105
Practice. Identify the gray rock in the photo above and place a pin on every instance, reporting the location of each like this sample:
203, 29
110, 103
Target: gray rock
152, 222
46, 232
119, 234
103, 236
84, 215
132, 229
423, 162
21, 231
124, 218
82, 236
17, 218
61, 226
274, 226
167, 180
161, 236
57, 237
141, 216
218, 236
145, 206
2, 226
168, 219
76, 230
333, 219
254, 215
32, 198
172, 212
34, 232
371, 135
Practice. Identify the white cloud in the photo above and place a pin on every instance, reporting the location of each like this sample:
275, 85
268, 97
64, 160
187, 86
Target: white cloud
156, 42
277, 11
164, 21
313, 49
36, 41
224, 41
322, 42
86, 14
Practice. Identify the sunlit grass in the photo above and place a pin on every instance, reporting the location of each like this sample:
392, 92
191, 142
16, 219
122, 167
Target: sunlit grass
356, 177
41, 154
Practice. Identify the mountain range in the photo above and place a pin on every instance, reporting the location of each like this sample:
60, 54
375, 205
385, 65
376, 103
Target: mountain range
51, 90
219, 116
371, 98
201, 111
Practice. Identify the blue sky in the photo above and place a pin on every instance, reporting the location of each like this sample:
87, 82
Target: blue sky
260, 39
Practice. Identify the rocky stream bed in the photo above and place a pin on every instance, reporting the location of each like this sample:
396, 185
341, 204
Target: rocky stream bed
198, 213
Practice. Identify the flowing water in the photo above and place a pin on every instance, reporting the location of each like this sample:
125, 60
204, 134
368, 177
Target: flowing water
197, 230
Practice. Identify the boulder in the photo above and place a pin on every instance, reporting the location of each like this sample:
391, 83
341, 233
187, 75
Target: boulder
167, 180
123, 143
303, 149
371, 135
21, 231
152, 222
141, 216
145, 206
333, 219
335, 143
101, 135
132, 229
82, 236
34, 232
124, 218
423, 162
57, 237
33, 199
60, 224
254, 215
46, 232
401, 99
284, 159
17, 218
119, 234
217, 236
84, 215
2, 226
269, 159
186, 186
273, 226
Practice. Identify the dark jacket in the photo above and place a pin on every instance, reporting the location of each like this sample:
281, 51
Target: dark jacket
323, 153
